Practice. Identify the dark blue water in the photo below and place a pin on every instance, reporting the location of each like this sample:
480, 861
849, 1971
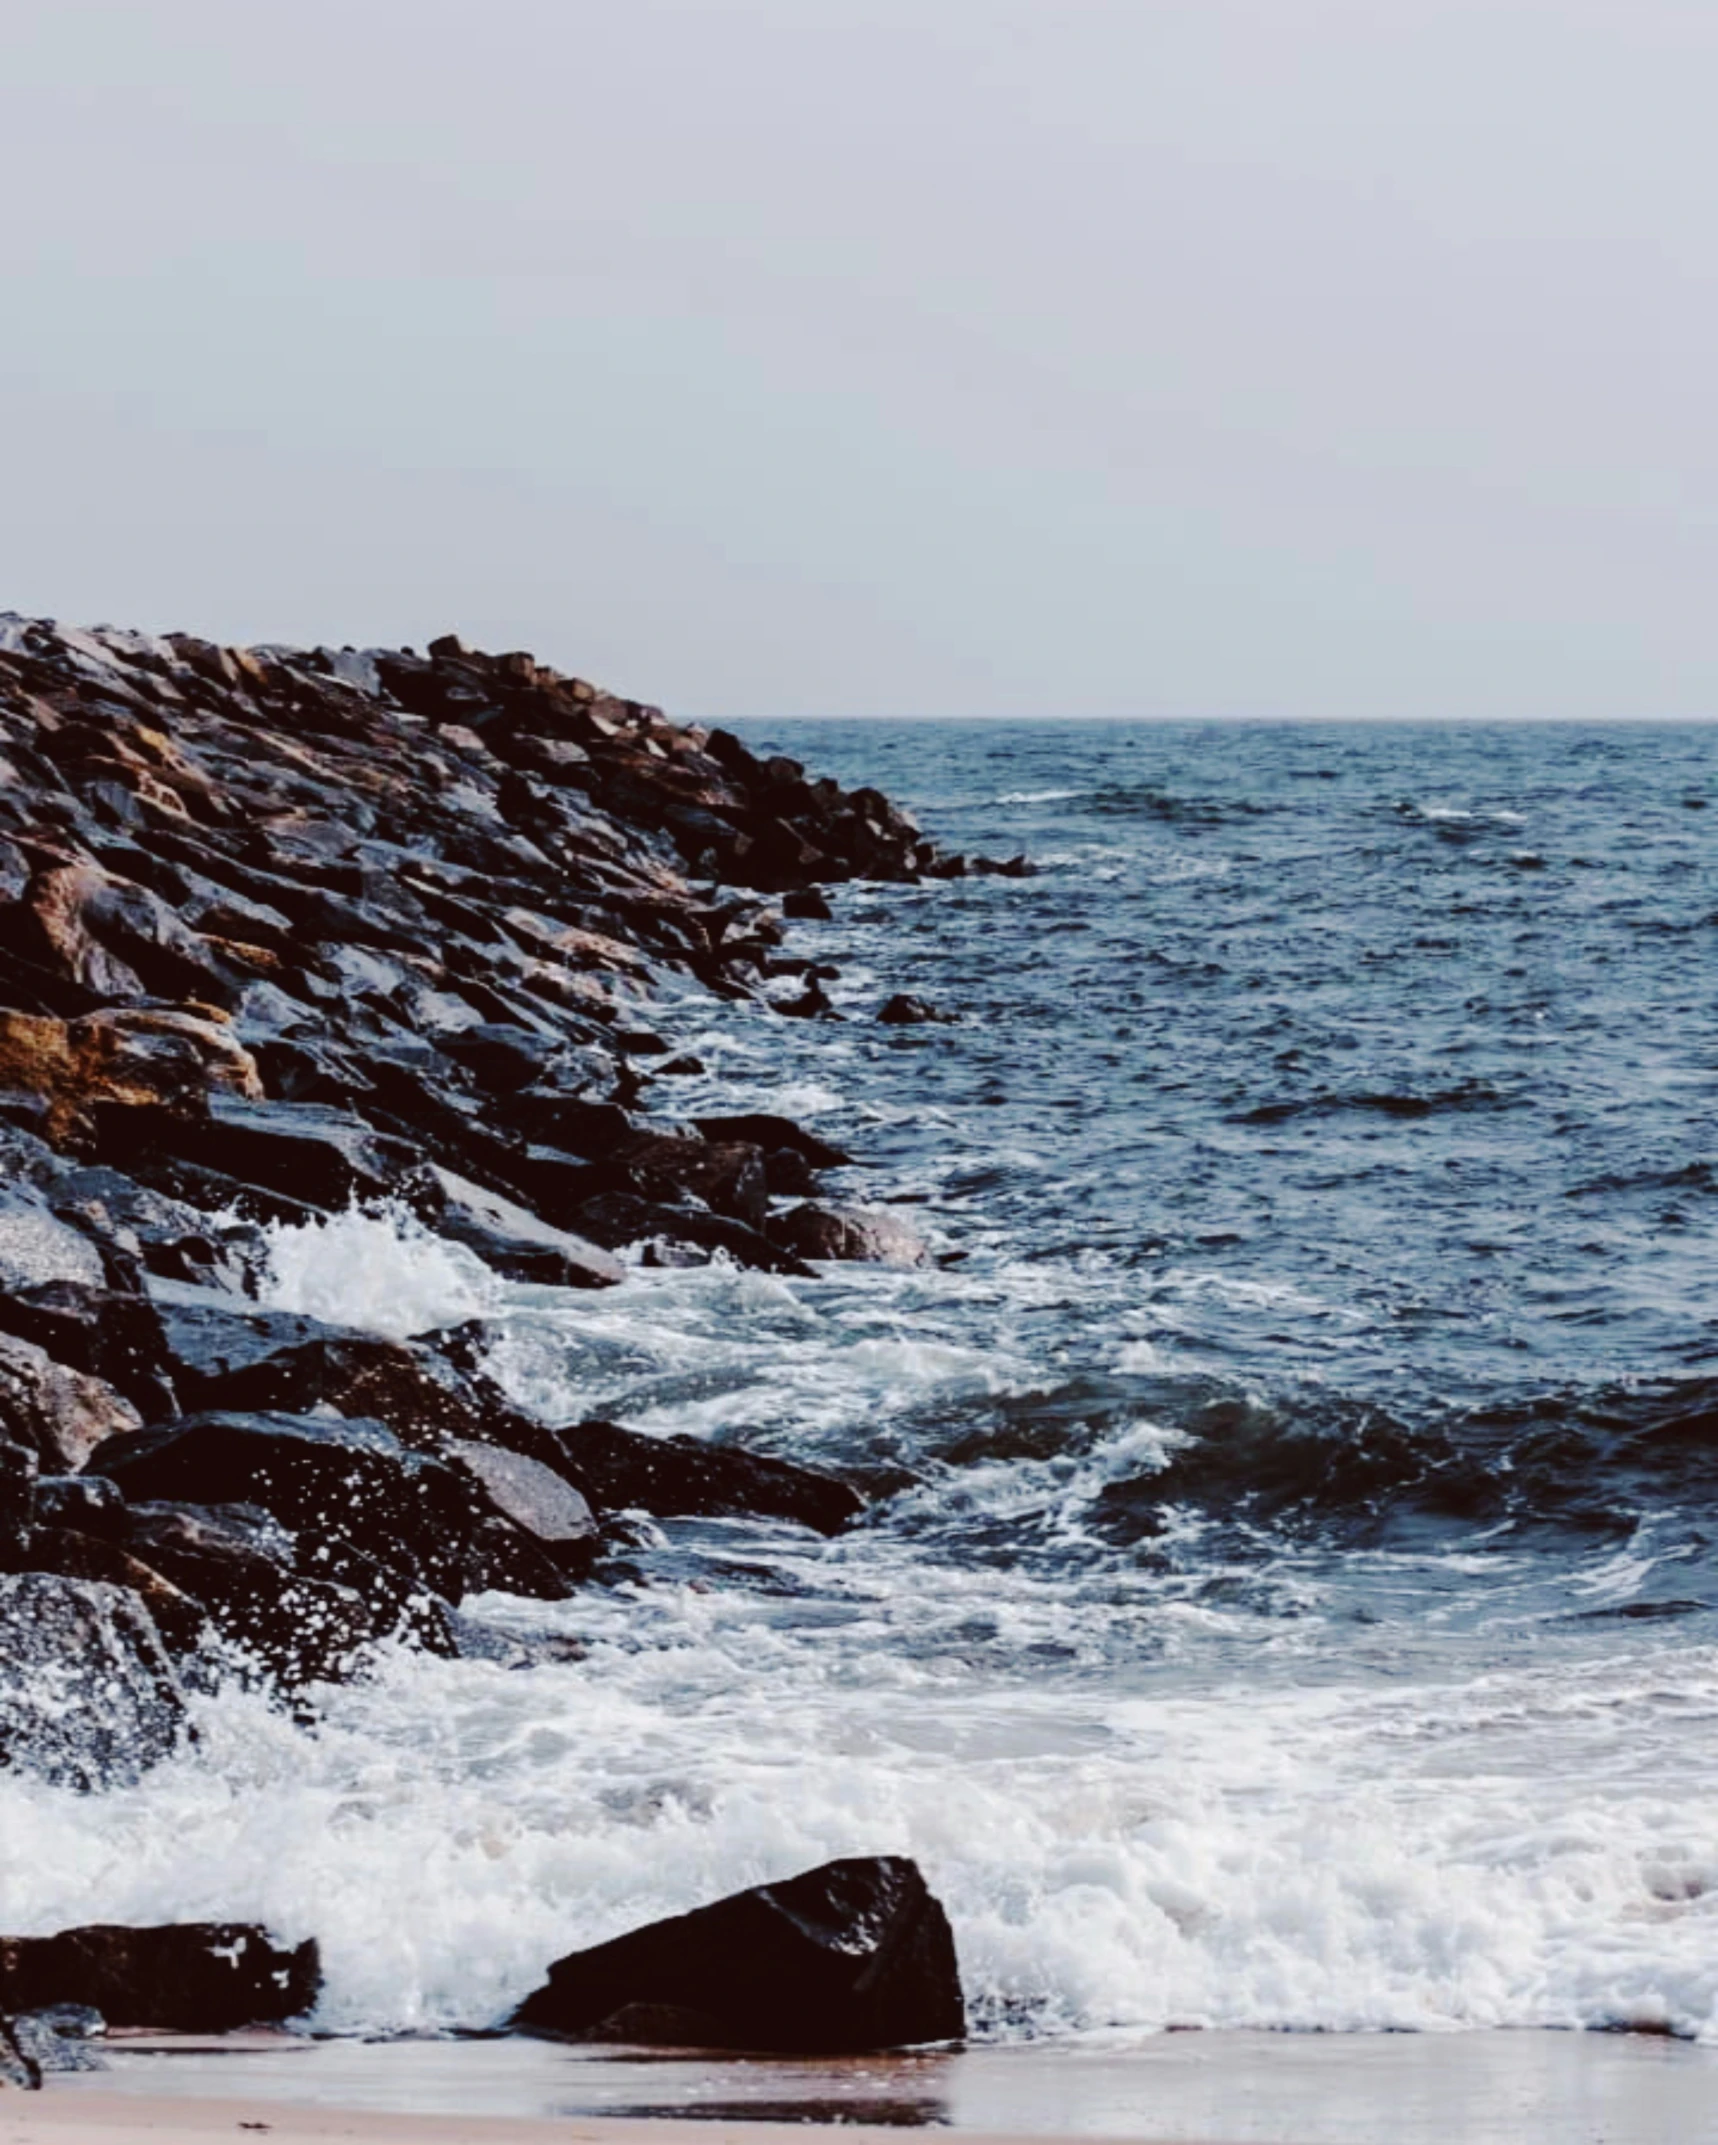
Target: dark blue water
1416, 1027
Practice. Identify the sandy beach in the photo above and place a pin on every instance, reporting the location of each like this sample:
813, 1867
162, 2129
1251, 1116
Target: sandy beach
1180, 2089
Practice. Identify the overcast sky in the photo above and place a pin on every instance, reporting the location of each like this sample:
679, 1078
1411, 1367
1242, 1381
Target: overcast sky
1007, 357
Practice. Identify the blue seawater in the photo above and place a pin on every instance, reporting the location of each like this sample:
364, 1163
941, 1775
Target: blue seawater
1291, 1596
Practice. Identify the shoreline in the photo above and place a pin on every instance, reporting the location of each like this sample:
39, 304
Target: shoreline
1502, 2087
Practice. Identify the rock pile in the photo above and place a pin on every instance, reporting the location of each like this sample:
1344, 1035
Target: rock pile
282, 931
285, 931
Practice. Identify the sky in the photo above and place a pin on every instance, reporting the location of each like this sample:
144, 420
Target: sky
1197, 358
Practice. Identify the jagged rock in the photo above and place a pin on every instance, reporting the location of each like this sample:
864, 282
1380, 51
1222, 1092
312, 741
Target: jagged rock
807, 903
61, 1415
120, 1057
541, 1504
116, 938
313, 1155
186, 1977
858, 1233
350, 1480
728, 1178
619, 1218
209, 1344
513, 1242
110, 1334
853, 1956
67, 1552
683, 1478
90, 1698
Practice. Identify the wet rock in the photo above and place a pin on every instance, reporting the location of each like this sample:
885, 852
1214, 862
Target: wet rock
301, 1610
541, 1504
61, 1415
19, 2066
69, 1553
618, 1219
186, 1977
903, 1011
85, 1504
1015, 867
512, 1241
840, 1232
117, 938
18, 1475
90, 1698
854, 1956
120, 1057
761, 1128
312, 1154
110, 1334
807, 903
351, 1480
727, 1177
683, 1478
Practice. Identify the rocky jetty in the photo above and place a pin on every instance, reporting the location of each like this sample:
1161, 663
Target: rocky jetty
287, 932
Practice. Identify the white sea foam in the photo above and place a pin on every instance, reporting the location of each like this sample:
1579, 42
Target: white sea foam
1528, 1848
379, 1272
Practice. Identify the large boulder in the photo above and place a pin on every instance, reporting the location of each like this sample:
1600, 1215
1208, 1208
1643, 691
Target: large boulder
306, 1152
186, 1977
89, 1698
853, 1956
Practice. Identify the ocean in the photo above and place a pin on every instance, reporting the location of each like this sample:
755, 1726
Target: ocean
1290, 1597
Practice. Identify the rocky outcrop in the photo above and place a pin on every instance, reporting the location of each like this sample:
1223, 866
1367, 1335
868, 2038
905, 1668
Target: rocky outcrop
854, 1956
285, 931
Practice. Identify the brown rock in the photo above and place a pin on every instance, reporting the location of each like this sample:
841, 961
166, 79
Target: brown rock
130, 1056
857, 1233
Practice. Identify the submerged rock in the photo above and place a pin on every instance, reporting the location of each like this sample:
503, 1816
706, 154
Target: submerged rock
853, 1956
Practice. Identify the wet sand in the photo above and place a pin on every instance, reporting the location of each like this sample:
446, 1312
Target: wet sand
1193, 2089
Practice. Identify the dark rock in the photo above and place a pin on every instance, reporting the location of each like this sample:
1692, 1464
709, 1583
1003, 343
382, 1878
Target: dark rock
541, 1504
857, 1233
68, 1553
619, 1218
728, 1178
87, 1504
110, 1334
209, 1344
351, 1480
1016, 867
18, 1477
807, 903
90, 1698
760, 1128
683, 1478
60, 1415
303, 1608
512, 1241
902, 1011
854, 1956
188, 1977
318, 1156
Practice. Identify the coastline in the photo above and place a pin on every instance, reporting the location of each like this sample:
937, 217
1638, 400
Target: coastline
1223, 2088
